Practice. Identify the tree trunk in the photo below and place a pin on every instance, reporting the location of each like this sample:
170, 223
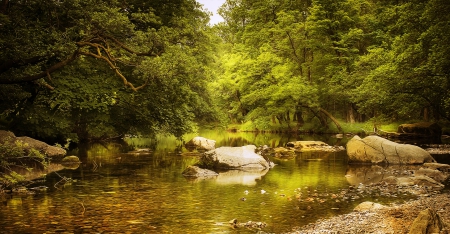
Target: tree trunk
231, 118
309, 68
280, 118
322, 120
299, 116
351, 114
332, 118
436, 113
426, 115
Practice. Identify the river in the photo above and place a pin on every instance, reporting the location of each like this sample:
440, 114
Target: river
117, 192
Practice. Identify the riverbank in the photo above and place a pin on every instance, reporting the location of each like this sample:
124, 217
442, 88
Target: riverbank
394, 218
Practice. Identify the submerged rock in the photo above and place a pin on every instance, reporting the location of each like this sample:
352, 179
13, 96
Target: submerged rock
421, 181
395, 179
432, 173
368, 206
283, 153
195, 171
303, 146
249, 225
438, 166
141, 151
378, 150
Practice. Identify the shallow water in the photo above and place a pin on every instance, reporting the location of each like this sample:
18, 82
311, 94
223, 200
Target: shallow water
113, 192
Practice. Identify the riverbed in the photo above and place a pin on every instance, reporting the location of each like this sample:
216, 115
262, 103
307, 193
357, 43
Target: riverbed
114, 191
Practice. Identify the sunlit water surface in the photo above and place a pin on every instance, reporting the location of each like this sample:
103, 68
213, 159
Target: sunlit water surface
113, 192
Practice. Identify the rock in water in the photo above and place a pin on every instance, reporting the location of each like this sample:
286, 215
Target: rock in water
194, 171
425, 129
50, 151
201, 143
233, 158
368, 206
70, 159
29, 143
304, 146
378, 150
427, 222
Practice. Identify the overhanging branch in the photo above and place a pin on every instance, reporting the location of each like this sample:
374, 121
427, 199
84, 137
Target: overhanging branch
102, 51
43, 74
123, 46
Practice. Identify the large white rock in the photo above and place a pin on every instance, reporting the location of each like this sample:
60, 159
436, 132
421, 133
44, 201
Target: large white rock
201, 143
233, 158
378, 150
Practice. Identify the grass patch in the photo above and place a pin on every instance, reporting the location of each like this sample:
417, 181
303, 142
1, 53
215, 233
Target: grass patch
314, 126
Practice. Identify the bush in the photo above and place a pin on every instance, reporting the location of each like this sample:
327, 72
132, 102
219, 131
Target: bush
13, 155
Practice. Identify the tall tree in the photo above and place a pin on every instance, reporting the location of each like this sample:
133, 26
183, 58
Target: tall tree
101, 68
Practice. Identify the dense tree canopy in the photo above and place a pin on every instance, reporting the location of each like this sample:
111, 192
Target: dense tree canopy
353, 59
103, 68
95, 69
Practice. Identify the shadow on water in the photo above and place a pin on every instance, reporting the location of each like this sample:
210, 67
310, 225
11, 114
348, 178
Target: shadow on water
144, 192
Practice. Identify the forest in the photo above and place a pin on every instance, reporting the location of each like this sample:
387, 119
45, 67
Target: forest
85, 70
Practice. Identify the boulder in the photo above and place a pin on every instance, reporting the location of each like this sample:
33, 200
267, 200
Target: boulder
140, 151
426, 181
70, 159
421, 129
233, 158
378, 150
29, 143
437, 175
7, 136
427, 222
304, 146
438, 166
422, 181
368, 206
50, 151
200, 143
283, 153
195, 171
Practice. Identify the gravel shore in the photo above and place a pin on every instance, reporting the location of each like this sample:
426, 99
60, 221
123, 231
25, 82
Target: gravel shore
394, 218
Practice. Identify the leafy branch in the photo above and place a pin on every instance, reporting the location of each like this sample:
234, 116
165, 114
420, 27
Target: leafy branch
97, 47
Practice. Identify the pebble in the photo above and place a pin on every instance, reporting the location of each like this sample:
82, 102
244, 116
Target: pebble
385, 220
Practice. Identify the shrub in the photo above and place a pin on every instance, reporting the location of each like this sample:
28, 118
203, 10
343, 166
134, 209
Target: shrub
14, 155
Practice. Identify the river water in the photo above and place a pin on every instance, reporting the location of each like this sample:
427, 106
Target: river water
117, 192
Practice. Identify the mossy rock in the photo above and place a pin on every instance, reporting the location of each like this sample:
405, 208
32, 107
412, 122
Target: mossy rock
70, 159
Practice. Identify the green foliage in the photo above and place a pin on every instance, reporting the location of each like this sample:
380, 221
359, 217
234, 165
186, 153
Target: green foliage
70, 69
14, 155
357, 59
96, 69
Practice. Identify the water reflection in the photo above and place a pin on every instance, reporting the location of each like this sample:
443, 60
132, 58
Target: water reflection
243, 177
114, 191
